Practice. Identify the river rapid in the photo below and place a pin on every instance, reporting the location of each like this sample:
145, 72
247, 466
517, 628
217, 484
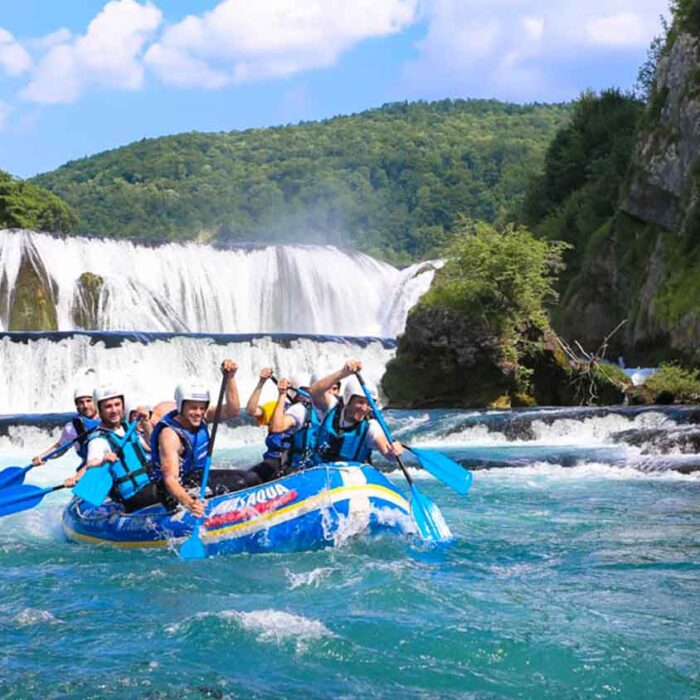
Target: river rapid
574, 573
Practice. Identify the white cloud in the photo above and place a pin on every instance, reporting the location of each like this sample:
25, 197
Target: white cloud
44, 43
533, 26
108, 55
523, 49
14, 58
244, 41
621, 29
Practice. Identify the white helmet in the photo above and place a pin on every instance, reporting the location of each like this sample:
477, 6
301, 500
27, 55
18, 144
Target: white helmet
103, 393
352, 387
82, 391
191, 392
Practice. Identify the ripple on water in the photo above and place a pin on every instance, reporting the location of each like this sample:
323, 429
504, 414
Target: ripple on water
268, 626
30, 616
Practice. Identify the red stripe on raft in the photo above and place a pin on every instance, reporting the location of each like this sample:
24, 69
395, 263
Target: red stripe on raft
249, 511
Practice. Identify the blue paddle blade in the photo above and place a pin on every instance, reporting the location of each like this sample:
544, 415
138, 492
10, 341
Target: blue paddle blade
22, 498
444, 469
95, 485
428, 518
193, 547
13, 476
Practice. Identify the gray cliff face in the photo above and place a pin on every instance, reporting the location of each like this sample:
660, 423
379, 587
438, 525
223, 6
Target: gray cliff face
668, 149
645, 268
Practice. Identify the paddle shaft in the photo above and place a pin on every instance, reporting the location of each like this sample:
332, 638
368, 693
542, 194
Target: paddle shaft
61, 448
214, 428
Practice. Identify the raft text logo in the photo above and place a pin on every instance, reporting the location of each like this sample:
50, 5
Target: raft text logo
262, 500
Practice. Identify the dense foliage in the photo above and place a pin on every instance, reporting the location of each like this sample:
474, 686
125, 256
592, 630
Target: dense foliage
390, 181
686, 15
501, 278
24, 205
678, 383
585, 167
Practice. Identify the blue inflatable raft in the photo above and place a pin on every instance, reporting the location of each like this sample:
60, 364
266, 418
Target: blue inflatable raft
308, 510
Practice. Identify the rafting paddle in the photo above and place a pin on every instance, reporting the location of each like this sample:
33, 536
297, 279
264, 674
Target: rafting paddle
24, 497
96, 483
443, 468
427, 516
14, 476
193, 547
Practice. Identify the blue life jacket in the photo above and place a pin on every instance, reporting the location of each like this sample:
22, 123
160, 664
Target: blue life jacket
278, 443
83, 426
336, 444
302, 452
195, 444
131, 472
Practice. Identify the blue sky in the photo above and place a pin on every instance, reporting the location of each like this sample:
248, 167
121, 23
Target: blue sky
81, 76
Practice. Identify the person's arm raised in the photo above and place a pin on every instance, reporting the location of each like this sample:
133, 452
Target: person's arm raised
253, 406
279, 422
233, 405
319, 389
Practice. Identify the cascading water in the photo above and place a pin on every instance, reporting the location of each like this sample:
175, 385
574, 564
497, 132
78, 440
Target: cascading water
197, 288
37, 375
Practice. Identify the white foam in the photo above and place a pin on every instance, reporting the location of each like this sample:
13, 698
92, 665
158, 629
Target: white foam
269, 626
540, 473
38, 376
277, 626
308, 578
32, 616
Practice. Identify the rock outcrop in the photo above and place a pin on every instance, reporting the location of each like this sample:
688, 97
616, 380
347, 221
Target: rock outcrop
444, 359
663, 184
86, 301
32, 300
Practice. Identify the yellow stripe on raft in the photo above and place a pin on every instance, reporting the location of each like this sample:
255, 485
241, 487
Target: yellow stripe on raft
78, 537
332, 496
270, 519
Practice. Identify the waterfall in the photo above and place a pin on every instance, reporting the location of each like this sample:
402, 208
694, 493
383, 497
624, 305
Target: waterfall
158, 315
197, 288
38, 374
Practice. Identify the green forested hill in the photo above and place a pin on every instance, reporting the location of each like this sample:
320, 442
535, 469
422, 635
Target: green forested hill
389, 181
24, 205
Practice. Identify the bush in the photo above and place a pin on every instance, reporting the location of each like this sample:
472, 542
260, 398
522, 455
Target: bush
502, 279
679, 383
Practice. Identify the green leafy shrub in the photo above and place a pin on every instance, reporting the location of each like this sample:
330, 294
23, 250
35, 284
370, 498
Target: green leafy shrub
501, 278
675, 382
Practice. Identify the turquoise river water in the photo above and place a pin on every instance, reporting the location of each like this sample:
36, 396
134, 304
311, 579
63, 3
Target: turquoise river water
574, 574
